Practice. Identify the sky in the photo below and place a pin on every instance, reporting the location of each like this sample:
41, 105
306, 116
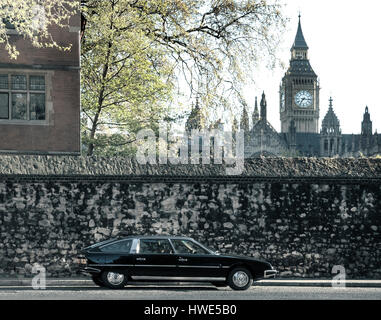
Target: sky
344, 39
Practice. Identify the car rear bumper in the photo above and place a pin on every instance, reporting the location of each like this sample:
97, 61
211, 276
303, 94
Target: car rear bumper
270, 274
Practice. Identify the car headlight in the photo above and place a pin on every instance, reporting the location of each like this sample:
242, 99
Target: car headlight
81, 260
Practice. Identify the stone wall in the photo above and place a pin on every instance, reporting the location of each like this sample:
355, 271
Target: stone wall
93, 167
302, 226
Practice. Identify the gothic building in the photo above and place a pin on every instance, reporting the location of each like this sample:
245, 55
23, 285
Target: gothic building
299, 115
263, 139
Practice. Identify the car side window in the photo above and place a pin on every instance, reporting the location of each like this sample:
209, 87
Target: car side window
119, 246
188, 247
155, 246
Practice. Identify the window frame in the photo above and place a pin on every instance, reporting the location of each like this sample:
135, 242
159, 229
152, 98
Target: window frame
5, 93
28, 91
114, 242
207, 251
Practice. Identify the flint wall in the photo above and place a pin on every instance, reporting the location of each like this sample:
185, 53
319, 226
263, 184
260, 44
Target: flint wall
303, 215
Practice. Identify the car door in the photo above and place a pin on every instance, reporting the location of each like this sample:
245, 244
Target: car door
194, 261
154, 259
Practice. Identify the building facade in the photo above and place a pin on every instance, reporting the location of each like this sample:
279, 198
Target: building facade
40, 94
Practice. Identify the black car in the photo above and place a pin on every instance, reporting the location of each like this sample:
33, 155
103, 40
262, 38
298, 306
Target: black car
114, 262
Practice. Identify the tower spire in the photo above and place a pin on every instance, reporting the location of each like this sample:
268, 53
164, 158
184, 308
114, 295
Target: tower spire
300, 42
196, 118
263, 108
366, 125
244, 124
331, 103
256, 112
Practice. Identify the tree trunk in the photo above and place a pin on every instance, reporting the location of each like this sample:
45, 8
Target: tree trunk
90, 150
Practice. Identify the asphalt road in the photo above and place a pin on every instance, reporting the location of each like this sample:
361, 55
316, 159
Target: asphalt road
188, 292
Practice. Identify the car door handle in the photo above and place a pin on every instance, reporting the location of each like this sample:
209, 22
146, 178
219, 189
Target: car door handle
183, 259
140, 259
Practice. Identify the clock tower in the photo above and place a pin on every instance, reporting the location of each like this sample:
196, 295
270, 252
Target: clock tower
299, 91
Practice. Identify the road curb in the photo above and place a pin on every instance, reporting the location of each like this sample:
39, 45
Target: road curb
27, 282
320, 283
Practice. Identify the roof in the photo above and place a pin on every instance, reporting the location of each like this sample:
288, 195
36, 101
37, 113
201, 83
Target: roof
330, 120
264, 140
301, 67
300, 42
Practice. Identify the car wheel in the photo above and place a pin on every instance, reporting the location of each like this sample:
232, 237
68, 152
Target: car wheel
219, 284
240, 279
97, 280
113, 279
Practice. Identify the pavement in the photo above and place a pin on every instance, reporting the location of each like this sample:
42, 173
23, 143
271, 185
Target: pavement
277, 282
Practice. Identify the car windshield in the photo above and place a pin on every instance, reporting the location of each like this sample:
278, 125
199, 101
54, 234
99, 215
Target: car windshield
212, 250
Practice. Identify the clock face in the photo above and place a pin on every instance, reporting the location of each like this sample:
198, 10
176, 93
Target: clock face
303, 99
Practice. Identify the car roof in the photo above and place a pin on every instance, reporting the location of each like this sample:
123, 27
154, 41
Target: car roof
158, 237
121, 237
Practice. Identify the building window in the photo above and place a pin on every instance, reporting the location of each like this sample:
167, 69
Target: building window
325, 145
22, 97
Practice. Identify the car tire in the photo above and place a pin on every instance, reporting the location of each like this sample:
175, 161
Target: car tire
219, 284
240, 279
97, 280
113, 279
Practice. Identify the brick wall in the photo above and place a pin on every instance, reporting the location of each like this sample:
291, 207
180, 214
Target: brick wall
60, 132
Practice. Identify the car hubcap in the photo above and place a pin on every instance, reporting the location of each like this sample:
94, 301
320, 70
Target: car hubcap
240, 279
115, 278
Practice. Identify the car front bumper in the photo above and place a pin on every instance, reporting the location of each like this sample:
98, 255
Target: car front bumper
90, 270
270, 274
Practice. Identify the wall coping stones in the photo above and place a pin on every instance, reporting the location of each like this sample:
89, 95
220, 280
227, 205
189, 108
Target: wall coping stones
54, 166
